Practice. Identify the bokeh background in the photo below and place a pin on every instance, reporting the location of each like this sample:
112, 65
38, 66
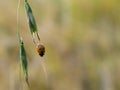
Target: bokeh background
82, 40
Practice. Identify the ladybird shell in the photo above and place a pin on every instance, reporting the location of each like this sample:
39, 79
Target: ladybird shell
41, 50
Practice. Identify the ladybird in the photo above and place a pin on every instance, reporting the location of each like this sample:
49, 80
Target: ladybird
40, 50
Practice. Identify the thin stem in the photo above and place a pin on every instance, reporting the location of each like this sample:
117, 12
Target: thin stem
44, 70
18, 19
20, 76
33, 37
18, 31
38, 36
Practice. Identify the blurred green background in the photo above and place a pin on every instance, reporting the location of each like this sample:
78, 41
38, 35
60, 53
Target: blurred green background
82, 40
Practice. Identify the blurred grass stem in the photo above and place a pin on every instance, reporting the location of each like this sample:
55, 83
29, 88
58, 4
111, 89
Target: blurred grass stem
18, 31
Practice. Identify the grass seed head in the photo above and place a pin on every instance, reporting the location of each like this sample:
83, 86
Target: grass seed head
31, 19
23, 59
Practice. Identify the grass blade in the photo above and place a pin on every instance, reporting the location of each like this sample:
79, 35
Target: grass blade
30, 18
23, 60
